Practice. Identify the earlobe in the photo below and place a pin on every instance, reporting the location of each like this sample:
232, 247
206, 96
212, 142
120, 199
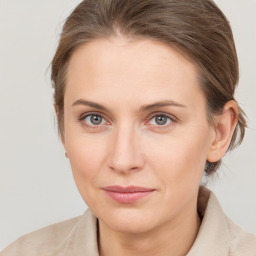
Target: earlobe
225, 124
56, 108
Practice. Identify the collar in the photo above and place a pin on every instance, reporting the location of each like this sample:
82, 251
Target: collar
213, 237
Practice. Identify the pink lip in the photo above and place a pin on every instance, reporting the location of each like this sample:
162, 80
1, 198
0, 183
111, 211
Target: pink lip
127, 195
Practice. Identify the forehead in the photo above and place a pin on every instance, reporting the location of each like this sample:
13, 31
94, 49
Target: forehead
121, 53
136, 69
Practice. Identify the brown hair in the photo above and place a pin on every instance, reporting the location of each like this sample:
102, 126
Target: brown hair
197, 28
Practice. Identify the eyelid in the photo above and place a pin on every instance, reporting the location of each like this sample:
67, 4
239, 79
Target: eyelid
86, 114
149, 117
173, 119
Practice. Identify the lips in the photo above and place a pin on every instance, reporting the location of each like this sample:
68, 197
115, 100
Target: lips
127, 195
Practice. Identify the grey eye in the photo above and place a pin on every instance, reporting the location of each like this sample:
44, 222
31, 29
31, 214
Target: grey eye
95, 119
160, 120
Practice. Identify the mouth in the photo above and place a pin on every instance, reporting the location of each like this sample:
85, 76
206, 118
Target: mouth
127, 195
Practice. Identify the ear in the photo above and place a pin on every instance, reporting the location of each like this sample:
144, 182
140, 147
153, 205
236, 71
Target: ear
224, 126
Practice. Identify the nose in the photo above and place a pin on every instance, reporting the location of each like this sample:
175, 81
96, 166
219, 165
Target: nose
126, 152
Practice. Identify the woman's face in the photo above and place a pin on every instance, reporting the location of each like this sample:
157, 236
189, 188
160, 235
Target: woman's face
136, 132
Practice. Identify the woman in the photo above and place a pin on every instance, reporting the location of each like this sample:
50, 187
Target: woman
144, 97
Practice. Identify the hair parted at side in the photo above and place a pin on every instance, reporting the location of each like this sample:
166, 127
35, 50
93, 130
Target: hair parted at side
197, 28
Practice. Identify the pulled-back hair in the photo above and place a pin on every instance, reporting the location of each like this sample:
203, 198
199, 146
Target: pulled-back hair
196, 28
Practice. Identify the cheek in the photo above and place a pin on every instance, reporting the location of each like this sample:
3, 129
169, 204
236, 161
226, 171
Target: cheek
86, 155
180, 157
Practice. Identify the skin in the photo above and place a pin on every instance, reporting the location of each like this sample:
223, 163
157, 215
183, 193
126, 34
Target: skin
128, 147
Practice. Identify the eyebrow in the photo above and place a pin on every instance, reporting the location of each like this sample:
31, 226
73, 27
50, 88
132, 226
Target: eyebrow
164, 103
143, 108
90, 104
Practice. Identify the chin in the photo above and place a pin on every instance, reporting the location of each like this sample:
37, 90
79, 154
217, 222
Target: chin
132, 221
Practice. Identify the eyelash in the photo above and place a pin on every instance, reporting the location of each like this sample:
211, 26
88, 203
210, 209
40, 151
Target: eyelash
83, 116
149, 118
155, 114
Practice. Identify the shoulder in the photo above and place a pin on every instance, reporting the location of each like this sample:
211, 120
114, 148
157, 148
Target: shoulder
241, 242
43, 240
49, 239
218, 235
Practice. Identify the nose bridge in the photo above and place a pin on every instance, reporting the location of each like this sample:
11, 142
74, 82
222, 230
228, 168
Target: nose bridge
125, 153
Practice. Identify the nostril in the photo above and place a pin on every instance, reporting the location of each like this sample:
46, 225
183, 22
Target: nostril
125, 152
123, 164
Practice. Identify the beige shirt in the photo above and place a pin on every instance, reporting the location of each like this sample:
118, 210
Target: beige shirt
218, 236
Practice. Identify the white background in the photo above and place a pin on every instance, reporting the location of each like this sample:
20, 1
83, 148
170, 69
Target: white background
36, 184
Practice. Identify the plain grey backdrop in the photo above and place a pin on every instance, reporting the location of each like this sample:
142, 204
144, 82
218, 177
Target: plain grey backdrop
36, 184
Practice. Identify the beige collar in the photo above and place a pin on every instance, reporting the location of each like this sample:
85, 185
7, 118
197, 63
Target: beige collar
213, 237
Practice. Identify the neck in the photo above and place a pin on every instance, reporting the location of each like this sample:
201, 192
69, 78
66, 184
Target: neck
173, 238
